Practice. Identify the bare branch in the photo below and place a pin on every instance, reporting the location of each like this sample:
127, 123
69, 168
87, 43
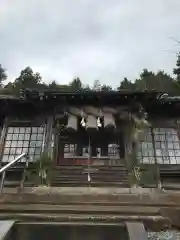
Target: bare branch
175, 40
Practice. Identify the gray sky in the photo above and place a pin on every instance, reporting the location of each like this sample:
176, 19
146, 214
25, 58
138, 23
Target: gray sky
93, 39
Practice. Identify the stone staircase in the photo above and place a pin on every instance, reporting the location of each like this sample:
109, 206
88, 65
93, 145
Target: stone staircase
84, 210
90, 176
99, 176
72, 176
87, 206
78, 175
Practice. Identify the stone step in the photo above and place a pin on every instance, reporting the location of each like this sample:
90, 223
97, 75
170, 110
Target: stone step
59, 173
99, 173
73, 179
151, 221
91, 195
30, 199
100, 176
73, 209
75, 183
59, 182
101, 167
12, 183
72, 223
93, 176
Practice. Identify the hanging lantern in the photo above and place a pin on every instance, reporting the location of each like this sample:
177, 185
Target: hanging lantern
91, 122
83, 119
99, 123
109, 121
83, 122
72, 123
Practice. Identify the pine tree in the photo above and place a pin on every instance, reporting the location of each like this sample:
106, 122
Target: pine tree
3, 75
176, 70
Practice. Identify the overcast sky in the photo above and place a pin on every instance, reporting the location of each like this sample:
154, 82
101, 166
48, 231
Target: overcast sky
93, 39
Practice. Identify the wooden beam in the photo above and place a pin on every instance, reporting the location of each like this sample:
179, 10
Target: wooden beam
136, 231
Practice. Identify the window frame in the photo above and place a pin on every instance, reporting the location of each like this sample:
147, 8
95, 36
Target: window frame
30, 133
159, 137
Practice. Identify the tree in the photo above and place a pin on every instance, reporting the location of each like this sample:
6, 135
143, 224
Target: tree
76, 85
159, 81
165, 83
9, 88
146, 81
28, 79
126, 85
96, 86
106, 88
3, 75
176, 70
86, 88
53, 86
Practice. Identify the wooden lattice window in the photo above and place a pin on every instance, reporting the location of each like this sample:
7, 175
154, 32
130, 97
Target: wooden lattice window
146, 151
69, 150
23, 139
167, 147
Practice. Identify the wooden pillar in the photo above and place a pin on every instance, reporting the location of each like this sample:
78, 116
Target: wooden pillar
158, 178
48, 134
127, 142
178, 127
58, 145
3, 137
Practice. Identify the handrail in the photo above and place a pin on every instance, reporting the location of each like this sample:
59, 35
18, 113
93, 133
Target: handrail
6, 167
